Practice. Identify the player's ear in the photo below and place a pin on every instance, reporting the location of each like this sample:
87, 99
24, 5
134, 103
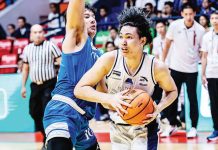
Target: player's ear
143, 40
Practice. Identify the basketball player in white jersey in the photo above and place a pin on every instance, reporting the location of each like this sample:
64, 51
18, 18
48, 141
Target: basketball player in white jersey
129, 67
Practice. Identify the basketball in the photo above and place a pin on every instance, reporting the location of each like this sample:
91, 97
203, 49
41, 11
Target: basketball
142, 104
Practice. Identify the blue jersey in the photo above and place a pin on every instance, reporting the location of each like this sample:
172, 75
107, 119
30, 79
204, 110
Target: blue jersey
73, 67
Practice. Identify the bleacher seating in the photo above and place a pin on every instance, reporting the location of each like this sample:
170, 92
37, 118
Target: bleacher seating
101, 38
57, 40
19, 45
8, 63
5, 47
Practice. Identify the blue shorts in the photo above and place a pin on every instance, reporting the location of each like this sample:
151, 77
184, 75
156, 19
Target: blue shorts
67, 122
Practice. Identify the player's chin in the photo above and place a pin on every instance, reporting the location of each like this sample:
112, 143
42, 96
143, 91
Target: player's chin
125, 52
92, 32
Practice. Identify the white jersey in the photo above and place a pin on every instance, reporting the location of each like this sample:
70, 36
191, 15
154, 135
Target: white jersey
184, 55
119, 78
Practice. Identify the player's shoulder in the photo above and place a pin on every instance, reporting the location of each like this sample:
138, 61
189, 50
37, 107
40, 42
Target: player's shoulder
28, 47
177, 23
110, 56
107, 60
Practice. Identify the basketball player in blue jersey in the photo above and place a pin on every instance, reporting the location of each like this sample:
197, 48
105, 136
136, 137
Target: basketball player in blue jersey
66, 117
129, 67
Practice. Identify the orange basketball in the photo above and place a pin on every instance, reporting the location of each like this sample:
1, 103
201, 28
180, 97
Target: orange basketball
142, 104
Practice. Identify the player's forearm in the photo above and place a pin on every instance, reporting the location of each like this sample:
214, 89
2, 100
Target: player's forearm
90, 94
166, 49
168, 99
204, 64
75, 12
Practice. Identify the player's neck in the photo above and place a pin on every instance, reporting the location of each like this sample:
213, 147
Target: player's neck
133, 62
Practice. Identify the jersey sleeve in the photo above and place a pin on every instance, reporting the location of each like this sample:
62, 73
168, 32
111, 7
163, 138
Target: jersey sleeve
170, 31
25, 56
55, 50
204, 44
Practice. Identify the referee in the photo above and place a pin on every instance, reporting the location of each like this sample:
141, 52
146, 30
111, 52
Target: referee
39, 57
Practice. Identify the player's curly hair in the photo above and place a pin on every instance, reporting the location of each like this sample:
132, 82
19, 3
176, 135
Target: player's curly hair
90, 8
136, 17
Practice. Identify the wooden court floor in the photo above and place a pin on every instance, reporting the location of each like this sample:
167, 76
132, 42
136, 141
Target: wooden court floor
31, 141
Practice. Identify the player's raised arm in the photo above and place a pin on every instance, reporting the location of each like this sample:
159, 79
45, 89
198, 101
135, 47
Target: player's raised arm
74, 26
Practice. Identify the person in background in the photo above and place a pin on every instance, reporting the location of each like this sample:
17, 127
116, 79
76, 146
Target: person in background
23, 30
11, 31
185, 35
57, 21
38, 62
204, 21
206, 8
113, 36
110, 46
210, 70
2, 33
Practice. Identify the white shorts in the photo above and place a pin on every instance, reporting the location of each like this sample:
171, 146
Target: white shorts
128, 137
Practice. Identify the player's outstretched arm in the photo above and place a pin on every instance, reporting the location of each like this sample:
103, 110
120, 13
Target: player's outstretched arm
75, 33
166, 82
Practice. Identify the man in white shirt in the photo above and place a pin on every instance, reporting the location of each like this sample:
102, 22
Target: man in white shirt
185, 35
210, 70
159, 40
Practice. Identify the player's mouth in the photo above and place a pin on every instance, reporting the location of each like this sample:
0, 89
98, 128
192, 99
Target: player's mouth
93, 27
124, 49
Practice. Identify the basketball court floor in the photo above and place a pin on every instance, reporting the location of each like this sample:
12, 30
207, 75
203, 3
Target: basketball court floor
178, 141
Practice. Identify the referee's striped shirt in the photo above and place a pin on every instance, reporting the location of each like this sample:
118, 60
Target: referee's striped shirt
41, 60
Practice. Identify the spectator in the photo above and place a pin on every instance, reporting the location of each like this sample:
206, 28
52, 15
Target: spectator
206, 8
23, 30
168, 9
159, 41
105, 20
185, 35
113, 36
204, 21
11, 31
160, 4
57, 21
210, 70
110, 46
38, 58
2, 33
149, 9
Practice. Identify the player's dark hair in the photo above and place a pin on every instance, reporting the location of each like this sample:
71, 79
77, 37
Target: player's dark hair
89, 7
136, 17
188, 5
